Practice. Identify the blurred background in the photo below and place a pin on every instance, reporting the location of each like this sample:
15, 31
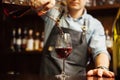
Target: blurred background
22, 34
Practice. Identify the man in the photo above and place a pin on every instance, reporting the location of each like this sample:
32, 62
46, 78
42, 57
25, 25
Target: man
85, 30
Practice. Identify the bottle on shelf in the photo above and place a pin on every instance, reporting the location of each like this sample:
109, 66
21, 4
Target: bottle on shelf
100, 2
94, 3
13, 41
109, 39
24, 40
42, 40
30, 41
110, 2
37, 42
19, 40
89, 3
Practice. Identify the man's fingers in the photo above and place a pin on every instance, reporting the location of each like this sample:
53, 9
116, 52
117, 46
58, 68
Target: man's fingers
113, 75
108, 74
91, 72
100, 72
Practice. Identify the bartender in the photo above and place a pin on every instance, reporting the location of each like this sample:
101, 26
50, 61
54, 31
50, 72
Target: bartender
86, 32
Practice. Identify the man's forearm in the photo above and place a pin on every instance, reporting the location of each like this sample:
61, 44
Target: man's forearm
102, 60
102, 65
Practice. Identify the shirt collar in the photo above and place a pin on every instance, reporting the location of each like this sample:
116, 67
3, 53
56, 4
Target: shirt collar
82, 17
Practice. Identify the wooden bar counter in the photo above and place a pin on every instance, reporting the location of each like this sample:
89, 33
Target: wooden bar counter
38, 77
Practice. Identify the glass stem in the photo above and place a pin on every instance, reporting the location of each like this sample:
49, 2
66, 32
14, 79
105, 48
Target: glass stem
63, 71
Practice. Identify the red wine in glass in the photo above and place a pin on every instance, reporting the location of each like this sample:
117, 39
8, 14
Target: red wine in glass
63, 49
63, 52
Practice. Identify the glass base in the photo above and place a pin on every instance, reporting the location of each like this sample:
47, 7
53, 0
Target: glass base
62, 76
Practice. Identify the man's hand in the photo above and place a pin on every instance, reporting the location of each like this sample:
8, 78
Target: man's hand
99, 78
42, 6
100, 72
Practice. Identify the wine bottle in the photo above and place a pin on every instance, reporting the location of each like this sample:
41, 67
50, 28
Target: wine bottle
19, 41
37, 42
109, 40
13, 41
116, 44
30, 41
42, 40
24, 39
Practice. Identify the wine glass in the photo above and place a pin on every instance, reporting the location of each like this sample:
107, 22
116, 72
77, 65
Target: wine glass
63, 48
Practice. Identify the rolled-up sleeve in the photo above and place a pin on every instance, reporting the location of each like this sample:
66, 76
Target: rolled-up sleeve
50, 19
98, 43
